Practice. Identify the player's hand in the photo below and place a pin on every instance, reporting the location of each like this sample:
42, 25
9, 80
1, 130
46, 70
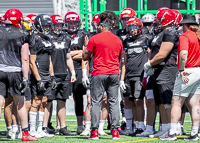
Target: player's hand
144, 82
184, 76
53, 82
41, 86
24, 85
122, 86
85, 80
73, 78
147, 66
150, 71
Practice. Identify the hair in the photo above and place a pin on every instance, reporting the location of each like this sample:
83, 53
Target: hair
196, 29
107, 18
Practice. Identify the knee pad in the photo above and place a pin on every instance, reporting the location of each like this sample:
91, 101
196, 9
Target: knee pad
167, 106
149, 94
128, 113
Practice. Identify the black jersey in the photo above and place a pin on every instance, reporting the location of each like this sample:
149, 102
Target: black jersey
11, 41
137, 55
122, 34
77, 42
42, 48
147, 34
168, 35
59, 54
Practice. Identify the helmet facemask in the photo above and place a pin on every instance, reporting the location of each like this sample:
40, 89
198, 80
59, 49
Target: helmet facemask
57, 28
72, 26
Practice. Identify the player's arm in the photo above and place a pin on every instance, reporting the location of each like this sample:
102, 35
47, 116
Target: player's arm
25, 59
78, 56
165, 49
75, 53
149, 53
123, 71
51, 71
34, 67
70, 64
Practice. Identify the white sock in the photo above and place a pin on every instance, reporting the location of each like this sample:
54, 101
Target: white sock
87, 125
101, 124
141, 125
8, 128
194, 130
164, 127
136, 124
58, 127
169, 125
124, 119
149, 128
40, 120
32, 120
160, 127
145, 112
145, 123
15, 128
173, 128
129, 123
62, 126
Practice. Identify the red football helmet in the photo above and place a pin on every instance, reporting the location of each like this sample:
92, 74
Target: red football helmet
95, 21
58, 23
32, 16
72, 22
13, 16
165, 17
178, 16
125, 15
132, 25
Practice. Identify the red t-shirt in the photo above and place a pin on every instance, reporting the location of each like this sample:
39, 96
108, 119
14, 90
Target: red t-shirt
106, 48
189, 41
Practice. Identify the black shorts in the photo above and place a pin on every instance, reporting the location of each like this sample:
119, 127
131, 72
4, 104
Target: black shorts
134, 89
10, 82
163, 85
77, 86
63, 88
47, 81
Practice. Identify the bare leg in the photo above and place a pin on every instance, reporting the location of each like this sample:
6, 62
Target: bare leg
7, 109
61, 112
47, 114
88, 108
21, 110
151, 111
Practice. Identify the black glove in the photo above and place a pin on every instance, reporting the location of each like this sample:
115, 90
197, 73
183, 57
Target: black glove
23, 85
53, 82
41, 86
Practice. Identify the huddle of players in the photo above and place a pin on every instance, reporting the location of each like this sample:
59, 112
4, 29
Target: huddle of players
57, 70
142, 40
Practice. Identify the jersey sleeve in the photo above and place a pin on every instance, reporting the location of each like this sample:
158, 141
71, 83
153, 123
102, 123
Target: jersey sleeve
183, 43
32, 45
170, 35
91, 44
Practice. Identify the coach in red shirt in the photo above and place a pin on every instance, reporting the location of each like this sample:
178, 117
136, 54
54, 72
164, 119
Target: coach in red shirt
106, 49
187, 84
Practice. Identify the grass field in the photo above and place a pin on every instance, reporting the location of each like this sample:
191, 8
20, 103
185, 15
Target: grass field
71, 123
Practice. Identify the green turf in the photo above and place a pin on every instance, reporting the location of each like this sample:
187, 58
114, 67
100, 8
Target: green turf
103, 139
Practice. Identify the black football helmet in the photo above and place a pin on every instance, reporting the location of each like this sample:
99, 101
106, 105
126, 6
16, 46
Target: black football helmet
41, 21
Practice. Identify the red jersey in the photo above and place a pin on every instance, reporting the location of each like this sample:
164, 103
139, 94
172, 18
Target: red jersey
106, 48
189, 41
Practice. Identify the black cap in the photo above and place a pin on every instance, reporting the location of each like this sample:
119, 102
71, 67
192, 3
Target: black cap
189, 18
